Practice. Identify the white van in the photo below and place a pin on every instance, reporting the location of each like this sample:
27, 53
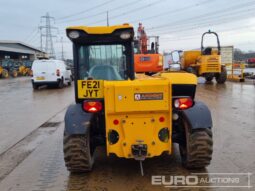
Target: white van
50, 72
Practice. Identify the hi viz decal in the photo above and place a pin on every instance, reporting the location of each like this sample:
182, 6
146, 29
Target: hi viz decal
90, 89
148, 96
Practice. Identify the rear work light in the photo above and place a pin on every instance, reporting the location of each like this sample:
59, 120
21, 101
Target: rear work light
58, 72
183, 103
92, 106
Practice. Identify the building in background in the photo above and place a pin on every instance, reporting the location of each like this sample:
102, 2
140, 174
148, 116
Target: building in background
16, 50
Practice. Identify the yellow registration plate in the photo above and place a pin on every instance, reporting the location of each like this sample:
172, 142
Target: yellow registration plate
90, 89
40, 78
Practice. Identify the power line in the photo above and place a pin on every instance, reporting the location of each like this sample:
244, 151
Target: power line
169, 12
203, 15
214, 21
33, 37
87, 10
35, 30
193, 37
130, 11
103, 12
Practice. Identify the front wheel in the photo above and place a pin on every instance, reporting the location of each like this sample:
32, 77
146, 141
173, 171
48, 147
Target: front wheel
5, 73
222, 77
196, 151
209, 77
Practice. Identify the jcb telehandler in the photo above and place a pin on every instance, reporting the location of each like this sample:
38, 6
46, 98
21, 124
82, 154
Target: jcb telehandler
134, 118
205, 62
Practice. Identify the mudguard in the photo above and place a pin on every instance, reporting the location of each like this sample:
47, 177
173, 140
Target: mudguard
76, 120
198, 116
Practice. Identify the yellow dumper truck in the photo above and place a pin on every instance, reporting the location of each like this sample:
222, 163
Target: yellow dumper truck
205, 62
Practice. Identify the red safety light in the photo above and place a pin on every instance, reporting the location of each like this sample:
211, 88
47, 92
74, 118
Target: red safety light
115, 121
92, 106
161, 119
183, 103
58, 72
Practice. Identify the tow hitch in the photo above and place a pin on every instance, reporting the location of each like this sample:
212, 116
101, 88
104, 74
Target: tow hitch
139, 152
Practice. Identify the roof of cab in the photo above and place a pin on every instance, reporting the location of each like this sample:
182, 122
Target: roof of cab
100, 29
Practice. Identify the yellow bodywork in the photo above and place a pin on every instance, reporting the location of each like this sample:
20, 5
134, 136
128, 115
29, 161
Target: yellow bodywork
136, 109
100, 29
204, 63
139, 119
138, 106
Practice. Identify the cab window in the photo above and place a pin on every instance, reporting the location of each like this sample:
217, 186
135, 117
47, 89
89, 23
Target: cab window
104, 62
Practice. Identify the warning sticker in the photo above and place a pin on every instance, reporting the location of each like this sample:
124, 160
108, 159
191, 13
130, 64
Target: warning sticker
148, 96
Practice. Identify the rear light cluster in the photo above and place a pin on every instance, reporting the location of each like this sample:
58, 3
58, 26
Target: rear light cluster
58, 72
183, 103
160, 62
92, 106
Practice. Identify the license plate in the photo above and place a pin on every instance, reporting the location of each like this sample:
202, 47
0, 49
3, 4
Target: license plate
90, 89
40, 78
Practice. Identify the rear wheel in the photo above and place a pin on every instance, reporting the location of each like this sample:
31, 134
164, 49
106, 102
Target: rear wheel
222, 77
70, 81
35, 86
61, 83
78, 154
196, 152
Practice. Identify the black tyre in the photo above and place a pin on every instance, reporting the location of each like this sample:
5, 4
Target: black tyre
191, 70
196, 152
61, 83
222, 77
35, 87
78, 154
5, 73
209, 78
70, 81
14, 74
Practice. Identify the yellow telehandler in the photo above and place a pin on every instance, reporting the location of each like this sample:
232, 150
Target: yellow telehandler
134, 117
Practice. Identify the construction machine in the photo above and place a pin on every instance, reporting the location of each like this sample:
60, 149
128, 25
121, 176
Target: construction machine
205, 62
21, 68
147, 57
133, 116
28, 67
11, 67
3, 72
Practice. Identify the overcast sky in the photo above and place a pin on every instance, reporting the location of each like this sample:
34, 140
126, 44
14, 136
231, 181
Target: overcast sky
179, 23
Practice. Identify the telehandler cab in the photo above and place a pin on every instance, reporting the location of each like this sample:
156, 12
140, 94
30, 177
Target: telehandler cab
133, 116
205, 62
